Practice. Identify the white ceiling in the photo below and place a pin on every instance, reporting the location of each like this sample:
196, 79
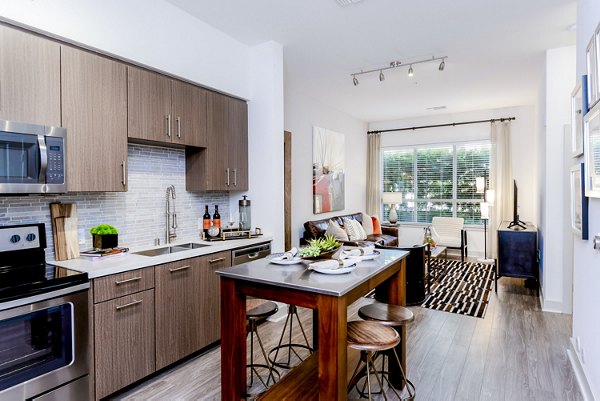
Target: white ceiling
495, 49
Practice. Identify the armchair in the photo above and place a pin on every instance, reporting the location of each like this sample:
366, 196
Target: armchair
449, 232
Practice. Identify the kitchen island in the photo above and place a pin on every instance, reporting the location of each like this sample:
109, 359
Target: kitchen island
327, 295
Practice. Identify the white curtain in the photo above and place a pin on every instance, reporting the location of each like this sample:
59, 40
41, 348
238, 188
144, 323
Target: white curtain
373, 175
501, 180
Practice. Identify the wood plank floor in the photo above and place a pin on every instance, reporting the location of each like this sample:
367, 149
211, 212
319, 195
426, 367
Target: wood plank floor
517, 352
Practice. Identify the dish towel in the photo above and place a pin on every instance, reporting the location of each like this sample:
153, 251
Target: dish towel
291, 254
334, 263
367, 250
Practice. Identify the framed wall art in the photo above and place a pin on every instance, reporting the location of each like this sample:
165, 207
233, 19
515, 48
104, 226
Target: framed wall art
591, 145
579, 202
591, 58
577, 121
328, 171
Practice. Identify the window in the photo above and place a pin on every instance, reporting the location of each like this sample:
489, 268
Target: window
437, 180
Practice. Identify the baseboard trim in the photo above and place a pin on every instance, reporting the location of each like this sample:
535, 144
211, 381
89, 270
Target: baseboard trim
552, 306
584, 386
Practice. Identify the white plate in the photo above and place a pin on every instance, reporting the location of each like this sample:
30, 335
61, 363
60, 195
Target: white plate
277, 259
341, 270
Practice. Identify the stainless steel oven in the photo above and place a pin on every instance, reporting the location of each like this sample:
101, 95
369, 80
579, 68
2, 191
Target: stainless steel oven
32, 158
44, 335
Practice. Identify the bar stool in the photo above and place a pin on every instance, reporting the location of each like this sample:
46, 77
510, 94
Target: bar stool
291, 347
391, 316
257, 310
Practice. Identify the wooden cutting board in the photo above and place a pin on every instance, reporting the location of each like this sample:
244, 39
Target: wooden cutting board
64, 230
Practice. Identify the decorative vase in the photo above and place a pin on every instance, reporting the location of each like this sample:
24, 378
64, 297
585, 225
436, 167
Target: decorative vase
106, 241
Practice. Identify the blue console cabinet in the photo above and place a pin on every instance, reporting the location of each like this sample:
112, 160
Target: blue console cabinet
518, 252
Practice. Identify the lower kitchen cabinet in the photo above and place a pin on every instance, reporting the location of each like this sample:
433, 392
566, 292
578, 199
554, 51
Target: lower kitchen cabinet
187, 306
124, 341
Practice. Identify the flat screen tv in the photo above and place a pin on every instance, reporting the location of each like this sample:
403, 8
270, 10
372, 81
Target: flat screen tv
516, 223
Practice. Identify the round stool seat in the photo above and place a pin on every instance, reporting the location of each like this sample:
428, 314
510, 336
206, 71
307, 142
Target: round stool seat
257, 309
386, 314
371, 336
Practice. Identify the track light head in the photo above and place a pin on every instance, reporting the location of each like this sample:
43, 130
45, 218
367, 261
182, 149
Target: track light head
410, 71
442, 65
354, 80
381, 76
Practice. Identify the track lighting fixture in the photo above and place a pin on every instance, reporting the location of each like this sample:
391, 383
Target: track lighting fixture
396, 64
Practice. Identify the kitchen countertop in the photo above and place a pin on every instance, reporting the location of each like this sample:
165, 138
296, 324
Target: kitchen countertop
98, 267
297, 276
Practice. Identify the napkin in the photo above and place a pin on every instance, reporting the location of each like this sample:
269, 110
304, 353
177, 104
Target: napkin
291, 254
366, 250
334, 263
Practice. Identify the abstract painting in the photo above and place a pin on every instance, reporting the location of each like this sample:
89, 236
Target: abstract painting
328, 170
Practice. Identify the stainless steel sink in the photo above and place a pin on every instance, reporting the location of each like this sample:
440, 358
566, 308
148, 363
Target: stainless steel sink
192, 245
165, 250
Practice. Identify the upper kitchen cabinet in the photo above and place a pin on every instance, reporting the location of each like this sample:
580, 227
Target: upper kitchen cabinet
29, 78
165, 110
94, 112
223, 165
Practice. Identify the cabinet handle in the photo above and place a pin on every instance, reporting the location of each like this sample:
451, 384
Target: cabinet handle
227, 182
119, 307
235, 177
129, 280
253, 255
178, 119
216, 260
169, 125
124, 173
176, 269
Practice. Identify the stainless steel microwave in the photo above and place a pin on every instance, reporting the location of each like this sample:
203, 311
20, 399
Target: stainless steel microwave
32, 158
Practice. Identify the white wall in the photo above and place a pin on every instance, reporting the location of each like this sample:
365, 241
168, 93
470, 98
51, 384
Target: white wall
586, 278
524, 155
160, 35
301, 114
556, 280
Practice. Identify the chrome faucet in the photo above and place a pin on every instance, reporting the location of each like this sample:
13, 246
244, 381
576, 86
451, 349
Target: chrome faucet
171, 216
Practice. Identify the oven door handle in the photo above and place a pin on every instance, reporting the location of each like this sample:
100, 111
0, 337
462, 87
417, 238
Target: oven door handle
43, 158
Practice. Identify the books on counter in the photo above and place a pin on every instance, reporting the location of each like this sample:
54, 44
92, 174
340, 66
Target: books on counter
92, 253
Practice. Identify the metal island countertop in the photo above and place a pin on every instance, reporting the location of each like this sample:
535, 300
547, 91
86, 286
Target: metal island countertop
298, 276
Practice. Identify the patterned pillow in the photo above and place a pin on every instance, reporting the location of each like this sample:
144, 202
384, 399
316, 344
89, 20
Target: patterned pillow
354, 230
367, 224
338, 232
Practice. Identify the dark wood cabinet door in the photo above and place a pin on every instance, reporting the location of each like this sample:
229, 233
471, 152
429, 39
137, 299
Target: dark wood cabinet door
189, 114
94, 112
149, 115
211, 298
238, 144
178, 310
29, 78
124, 341
218, 173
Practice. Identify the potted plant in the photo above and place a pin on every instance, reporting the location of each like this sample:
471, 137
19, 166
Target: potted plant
104, 236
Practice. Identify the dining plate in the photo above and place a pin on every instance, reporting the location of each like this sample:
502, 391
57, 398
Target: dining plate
341, 270
277, 259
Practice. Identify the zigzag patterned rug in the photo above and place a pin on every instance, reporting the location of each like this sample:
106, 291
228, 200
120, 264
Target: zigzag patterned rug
464, 288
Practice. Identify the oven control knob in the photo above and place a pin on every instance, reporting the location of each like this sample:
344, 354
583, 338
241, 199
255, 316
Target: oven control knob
30, 237
15, 238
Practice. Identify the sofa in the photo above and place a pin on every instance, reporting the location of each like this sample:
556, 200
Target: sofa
317, 228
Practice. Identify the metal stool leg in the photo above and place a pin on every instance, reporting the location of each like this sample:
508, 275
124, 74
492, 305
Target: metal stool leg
291, 347
254, 366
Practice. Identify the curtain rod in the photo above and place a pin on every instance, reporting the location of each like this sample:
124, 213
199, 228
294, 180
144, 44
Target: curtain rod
492, 120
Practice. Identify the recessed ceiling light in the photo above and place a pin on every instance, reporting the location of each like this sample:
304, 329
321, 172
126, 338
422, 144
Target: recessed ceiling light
345, 3
572, 28
436, 108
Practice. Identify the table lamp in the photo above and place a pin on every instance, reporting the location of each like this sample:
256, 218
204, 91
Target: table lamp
392, 199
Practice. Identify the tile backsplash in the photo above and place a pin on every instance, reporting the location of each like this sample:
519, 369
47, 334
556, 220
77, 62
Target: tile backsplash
138, 214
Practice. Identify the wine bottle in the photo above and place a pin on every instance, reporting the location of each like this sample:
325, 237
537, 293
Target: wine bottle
206, 221
217, 218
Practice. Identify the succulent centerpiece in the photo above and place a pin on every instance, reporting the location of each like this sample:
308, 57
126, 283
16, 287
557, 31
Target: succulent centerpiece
104, 236
320, 248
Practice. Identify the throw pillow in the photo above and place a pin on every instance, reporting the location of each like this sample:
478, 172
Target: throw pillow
367, 224
338, 232
354, 230
376, 225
